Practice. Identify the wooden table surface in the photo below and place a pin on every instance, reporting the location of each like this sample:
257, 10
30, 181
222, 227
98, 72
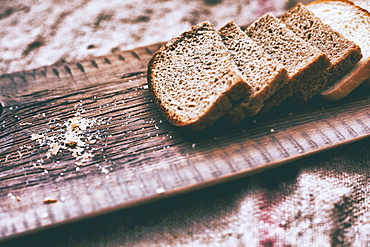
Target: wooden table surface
92, 70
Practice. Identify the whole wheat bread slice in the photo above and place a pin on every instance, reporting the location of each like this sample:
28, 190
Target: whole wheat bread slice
343, 54
301, 59
193, 79
354, 24
259, 70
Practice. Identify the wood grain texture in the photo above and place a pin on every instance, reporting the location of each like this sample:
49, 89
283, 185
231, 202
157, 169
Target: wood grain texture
136, 156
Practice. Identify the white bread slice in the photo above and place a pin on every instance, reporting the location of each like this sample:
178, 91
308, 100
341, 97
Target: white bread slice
343, 53
302, 60
364, 4
259, 70
354, 24
193, 79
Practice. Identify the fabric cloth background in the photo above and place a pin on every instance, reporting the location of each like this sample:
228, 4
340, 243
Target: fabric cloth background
318, 201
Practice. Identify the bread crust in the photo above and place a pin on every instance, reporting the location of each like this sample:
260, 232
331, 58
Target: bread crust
352, 80
367, 82
344, 1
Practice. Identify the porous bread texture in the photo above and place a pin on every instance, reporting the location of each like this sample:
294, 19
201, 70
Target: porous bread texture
259, 70
354, 24
343, 54
300, 59
193, 78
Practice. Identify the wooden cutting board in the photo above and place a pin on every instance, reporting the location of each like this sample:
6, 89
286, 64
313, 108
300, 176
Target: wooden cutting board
85, 138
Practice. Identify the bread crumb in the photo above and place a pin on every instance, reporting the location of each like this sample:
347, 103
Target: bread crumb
73, 135
50, 200
55, 148
13, 197
37, 137
104, 170
22, 124
160, 190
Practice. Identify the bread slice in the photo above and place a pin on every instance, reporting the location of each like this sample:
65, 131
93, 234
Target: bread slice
364, 4
193, 78
259, 70
354, 24
343, 54
301, 60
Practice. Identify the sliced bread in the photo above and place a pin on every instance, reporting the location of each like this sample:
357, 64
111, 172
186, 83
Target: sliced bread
301, 59
193, 79
343, 54
259, 70
354, 24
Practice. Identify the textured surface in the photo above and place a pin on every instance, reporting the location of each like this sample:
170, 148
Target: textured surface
318, 201
37, 33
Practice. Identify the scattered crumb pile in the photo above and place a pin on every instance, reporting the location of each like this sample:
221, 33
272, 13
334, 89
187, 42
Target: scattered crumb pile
75, 135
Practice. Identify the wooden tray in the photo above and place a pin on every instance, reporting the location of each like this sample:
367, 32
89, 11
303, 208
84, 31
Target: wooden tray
133, 155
